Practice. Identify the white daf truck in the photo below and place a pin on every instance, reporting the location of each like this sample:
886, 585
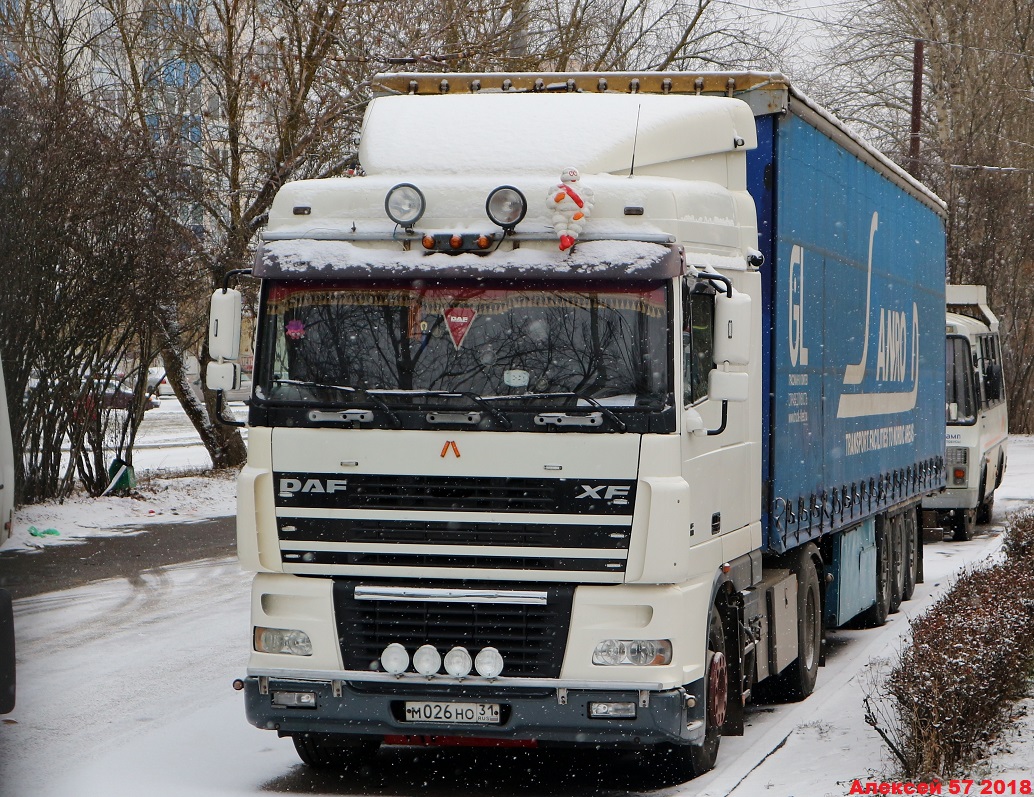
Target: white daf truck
976, 416
582, 411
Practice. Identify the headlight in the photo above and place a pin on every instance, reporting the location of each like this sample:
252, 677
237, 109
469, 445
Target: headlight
404, 204
282, 640
506, 206
632, 652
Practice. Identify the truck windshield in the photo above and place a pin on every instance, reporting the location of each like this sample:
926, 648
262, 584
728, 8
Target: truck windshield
960, 401
406, 343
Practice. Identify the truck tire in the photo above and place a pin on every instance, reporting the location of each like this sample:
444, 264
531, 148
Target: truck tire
986, 509
7, 667
333, 751
963, 522
797, 681
802, 674
897, 561
876, 615
912, 553
985, 504
684, 762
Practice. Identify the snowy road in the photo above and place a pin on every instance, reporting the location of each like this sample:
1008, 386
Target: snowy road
124, 690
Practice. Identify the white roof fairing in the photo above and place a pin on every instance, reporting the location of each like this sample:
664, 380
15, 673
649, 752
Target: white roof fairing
544, 132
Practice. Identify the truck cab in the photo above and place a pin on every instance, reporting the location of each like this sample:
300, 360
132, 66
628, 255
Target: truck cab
976, 435
538, 452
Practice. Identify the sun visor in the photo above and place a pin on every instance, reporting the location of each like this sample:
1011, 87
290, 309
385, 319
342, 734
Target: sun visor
616, 260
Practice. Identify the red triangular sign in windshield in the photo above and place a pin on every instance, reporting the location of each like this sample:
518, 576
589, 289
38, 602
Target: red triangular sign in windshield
458, 321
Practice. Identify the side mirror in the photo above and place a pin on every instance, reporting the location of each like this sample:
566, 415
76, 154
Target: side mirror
732, 329
223, 376
727, 386
224, 325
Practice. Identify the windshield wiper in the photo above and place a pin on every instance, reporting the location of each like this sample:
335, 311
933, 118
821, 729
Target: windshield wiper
359, 394
610, 414
481, 401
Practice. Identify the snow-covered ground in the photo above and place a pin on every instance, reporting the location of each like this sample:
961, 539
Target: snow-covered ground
167, 445
124, 685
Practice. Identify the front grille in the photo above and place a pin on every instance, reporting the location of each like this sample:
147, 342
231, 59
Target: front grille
455, 494
415, 532
955, 455
531, 638
444, 559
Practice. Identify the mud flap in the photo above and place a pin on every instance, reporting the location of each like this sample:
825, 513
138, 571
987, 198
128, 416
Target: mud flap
732, 620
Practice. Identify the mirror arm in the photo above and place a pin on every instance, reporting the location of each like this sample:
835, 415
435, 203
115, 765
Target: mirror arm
220, 406
234, 273
725, 420
707, 275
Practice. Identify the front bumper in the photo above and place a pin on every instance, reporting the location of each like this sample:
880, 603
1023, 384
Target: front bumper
547, 714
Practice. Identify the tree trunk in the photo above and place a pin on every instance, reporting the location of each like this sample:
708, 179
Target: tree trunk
224, 443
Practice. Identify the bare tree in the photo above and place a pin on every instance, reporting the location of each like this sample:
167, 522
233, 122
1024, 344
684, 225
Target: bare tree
977, 138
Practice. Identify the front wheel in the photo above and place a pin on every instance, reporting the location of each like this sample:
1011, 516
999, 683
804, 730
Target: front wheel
692, 760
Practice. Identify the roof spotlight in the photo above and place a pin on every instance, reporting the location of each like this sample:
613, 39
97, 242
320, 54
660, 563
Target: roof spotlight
404, 204
506, 206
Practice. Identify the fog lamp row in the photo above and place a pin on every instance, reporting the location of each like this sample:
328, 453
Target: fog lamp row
428, 661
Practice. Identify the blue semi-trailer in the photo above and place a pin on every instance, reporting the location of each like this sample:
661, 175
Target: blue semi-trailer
580, 412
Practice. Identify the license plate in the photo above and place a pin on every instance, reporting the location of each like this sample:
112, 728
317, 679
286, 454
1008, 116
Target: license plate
467, 713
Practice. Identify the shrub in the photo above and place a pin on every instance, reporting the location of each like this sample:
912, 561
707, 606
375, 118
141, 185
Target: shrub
969, 658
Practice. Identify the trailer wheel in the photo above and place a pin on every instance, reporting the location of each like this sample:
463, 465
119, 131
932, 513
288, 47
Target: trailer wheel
332, 751
912, 542
898, 560
876, 615
684, 762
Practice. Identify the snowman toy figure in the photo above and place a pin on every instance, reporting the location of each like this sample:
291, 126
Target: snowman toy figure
570, 205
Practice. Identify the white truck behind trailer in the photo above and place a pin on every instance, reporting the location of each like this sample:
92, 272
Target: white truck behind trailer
976, 416
554, 456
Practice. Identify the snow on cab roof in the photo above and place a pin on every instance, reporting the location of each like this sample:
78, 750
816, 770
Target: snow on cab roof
316, 259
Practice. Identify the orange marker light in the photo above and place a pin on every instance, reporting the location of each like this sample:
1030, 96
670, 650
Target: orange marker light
428, 242
456, 241
484, 241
